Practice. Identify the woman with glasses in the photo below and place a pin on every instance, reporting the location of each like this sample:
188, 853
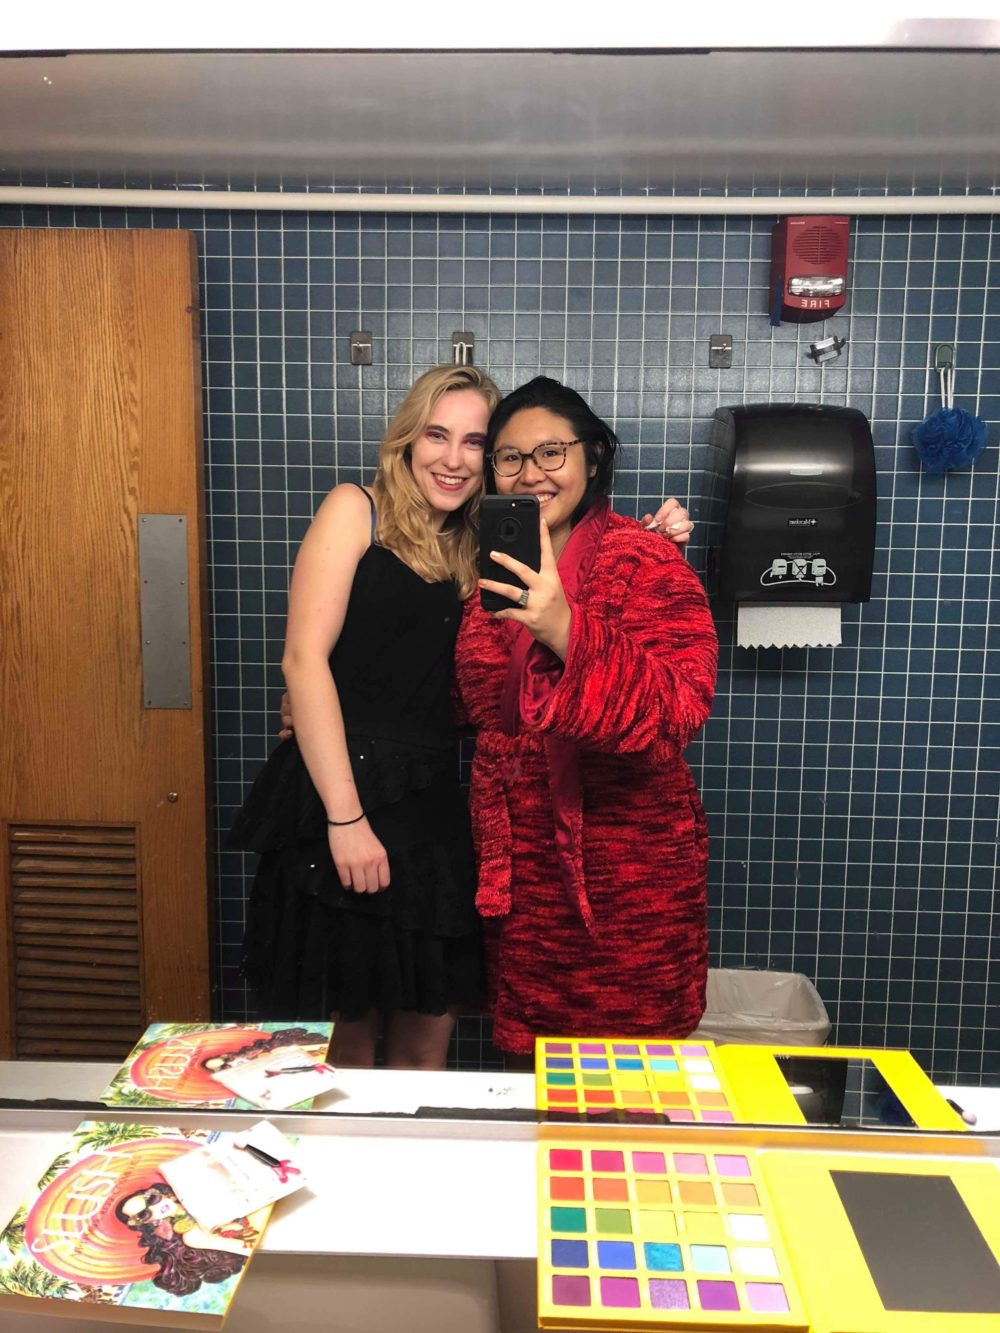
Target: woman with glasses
585, 692
363, 902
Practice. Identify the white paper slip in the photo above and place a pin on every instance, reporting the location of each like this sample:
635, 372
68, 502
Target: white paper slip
236, 1174
279, 1080
780, 626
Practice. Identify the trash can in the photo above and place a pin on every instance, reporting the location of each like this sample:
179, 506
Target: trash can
763, 1008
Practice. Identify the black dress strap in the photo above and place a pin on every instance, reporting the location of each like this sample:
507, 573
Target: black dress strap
372, 503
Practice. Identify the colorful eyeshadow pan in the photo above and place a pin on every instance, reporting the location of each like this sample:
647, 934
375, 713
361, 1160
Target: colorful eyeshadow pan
610, 1190
566, 1187
615, 1254
566, 1159
690, 1164
668, 1294
662, 1258
767, 1297
607, 1161
570, 1290
649, 1163
570, 1254
620, 1293
718, 1295
655, 1234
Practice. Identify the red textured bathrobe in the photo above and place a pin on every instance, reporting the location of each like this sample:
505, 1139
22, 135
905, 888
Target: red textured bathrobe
589, 830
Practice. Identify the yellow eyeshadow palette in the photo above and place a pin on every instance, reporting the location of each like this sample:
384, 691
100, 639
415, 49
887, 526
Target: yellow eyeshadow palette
628, 1080
634, 1234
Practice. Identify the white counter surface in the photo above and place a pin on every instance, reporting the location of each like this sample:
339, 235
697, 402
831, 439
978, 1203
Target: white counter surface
405, 1185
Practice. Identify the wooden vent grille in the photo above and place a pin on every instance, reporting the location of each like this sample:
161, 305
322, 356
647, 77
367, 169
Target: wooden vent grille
75, 915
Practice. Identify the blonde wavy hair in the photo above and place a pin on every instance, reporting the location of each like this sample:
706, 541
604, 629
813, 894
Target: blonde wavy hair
403, 514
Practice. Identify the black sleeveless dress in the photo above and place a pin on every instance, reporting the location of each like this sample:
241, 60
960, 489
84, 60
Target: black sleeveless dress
311, 947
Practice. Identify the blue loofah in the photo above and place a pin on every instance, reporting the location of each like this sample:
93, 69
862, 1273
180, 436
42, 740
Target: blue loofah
949, 438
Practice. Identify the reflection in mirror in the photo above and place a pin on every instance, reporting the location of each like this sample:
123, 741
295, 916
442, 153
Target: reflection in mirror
838, 1091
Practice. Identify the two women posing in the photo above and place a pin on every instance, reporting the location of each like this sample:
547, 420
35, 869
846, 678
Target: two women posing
589, 831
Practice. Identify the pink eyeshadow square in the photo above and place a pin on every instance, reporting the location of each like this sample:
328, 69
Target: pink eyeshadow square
727, 1165
717, 1117
567, 1290
659, 1050
674, 1114
592, 1048
607, 1161
650, 1163
690, 1164
767, 1296
692, 1050
620, 1293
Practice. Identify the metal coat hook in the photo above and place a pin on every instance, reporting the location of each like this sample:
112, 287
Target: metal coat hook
462, 347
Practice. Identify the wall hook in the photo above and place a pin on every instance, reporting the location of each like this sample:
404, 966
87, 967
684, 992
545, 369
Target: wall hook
463, 346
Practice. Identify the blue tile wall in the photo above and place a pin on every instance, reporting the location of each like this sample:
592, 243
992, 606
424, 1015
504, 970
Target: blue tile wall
852, 793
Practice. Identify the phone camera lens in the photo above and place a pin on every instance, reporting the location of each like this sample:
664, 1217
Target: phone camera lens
509, 529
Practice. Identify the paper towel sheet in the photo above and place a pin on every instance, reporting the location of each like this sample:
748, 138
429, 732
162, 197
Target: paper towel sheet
783, 626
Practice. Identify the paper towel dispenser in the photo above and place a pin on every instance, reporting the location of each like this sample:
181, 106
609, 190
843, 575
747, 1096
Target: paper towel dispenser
791, 504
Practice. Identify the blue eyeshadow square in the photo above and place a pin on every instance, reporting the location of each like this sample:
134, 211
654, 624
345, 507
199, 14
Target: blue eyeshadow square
663, 1258
593, 1062
569, 1254
558, 1062
615, 1254
628, 1064
710, 1259
664, 1066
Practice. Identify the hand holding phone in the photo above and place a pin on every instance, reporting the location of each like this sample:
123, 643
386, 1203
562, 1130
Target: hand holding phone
544, 611
509, 524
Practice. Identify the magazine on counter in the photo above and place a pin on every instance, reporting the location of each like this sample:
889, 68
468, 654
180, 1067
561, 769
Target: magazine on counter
174, 1064
103, 1230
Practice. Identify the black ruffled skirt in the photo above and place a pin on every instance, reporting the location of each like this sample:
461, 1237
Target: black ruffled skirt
313, 948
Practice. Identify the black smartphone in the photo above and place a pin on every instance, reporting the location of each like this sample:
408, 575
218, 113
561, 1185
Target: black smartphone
507, 523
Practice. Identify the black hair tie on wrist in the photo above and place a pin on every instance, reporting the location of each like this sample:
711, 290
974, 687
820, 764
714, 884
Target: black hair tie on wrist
343, 823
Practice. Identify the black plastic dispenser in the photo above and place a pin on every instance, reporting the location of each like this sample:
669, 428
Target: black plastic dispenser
791, 505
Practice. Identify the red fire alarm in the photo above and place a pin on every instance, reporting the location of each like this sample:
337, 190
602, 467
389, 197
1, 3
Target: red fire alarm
808, 268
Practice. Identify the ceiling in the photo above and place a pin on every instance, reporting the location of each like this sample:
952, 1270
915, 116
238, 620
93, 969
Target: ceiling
650, 120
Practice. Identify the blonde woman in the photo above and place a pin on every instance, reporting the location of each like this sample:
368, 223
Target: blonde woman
363, 905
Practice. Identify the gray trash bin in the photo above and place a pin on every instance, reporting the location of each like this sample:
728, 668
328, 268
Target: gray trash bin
763, 1008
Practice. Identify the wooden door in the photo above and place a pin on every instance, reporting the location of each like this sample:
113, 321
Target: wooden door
103, 832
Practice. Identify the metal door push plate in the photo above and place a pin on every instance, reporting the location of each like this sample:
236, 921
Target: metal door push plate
164, 615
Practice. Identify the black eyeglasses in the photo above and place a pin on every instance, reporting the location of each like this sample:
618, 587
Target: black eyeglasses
550, 456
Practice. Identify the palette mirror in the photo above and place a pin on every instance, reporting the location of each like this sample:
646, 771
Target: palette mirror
836, 1091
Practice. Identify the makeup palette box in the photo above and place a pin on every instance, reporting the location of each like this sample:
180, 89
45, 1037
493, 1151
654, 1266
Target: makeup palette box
643, 1233
625, 1080
689, 1081
659, 1229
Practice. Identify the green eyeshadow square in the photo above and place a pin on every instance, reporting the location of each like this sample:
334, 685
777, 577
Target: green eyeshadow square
560, 1080
570, 1219
596, 1080
613, 1221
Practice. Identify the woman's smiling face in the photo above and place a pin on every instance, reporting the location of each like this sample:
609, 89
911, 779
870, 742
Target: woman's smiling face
558, 492
446, 459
